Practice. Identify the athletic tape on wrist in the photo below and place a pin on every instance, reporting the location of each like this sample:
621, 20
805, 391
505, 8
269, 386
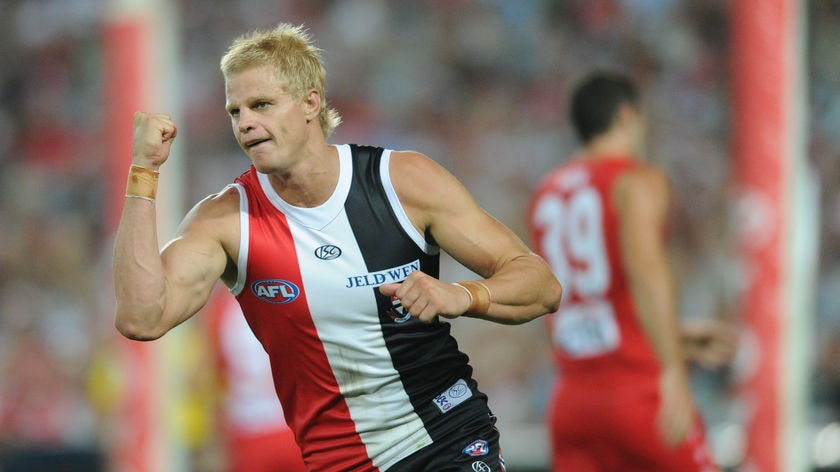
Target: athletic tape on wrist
479, 297
142, 183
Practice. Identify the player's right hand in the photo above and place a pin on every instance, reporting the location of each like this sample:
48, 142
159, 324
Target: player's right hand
676, 410
153, 136
426, 297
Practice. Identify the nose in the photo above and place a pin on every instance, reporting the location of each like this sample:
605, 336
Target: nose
245, 121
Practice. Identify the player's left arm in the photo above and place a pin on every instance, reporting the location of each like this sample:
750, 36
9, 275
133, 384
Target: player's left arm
520, 284
642, 198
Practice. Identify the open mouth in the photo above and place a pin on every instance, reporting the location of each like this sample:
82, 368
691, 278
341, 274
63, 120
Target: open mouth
254, 143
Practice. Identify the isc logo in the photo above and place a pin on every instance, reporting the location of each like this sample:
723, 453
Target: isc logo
275, 291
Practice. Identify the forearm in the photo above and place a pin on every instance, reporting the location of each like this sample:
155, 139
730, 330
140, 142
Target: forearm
521, 289
139, 282
653, 294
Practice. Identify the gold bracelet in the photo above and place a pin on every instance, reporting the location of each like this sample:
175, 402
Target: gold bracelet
479, 299
142, 183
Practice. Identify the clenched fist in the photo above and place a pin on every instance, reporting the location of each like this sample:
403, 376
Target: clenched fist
426, 297
153, 136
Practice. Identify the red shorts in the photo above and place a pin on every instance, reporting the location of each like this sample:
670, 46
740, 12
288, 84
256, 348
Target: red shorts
270, 452
609, 432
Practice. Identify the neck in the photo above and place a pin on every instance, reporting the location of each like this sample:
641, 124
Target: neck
609, 145
311, 182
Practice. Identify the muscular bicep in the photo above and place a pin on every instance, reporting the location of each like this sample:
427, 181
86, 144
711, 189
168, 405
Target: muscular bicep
197, 257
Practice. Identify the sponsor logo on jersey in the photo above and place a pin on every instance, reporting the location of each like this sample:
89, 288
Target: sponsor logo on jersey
398, 313
479, 466
374, 279
477, 448
328, 252
458, 393
275, 291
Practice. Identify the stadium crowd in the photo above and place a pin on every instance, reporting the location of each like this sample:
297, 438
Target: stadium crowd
477, 85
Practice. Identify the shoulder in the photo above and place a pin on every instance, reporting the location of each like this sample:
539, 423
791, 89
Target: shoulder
564, 174
426, 190
215, 215
415, 164
644, 179
643, 188
219, 204
414, 173
210, 228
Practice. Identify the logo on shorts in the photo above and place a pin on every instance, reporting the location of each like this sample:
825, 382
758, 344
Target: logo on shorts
328, 252
458, 390
477, 448
275, 291
479, 466
458, 393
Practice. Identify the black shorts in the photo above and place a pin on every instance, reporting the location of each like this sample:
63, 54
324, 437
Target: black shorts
475, 448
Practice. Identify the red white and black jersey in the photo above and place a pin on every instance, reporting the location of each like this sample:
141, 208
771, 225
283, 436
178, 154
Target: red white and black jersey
597, 337
363, 384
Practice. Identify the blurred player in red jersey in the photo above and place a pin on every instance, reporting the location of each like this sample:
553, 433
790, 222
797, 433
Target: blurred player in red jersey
624, 400
254, 432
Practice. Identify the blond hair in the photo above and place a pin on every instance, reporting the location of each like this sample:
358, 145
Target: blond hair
297, 61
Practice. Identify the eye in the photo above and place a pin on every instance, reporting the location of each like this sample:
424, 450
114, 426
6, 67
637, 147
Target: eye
261, 105
233, 112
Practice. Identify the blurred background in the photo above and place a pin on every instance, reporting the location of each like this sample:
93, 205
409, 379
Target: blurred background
480, 87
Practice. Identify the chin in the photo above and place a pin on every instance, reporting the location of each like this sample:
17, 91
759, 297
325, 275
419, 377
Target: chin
268, 162
265, 167
262, 162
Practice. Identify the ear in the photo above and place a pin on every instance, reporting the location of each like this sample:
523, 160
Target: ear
630, 121
626, 114
312, 104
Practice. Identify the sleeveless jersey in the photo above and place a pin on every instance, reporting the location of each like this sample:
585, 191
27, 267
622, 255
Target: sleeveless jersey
363, 384
597, 337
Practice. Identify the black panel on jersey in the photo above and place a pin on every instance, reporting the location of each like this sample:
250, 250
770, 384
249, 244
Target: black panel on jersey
424, 354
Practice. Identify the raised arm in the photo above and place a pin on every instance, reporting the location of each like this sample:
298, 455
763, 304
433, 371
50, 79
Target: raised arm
156, 290
518, 284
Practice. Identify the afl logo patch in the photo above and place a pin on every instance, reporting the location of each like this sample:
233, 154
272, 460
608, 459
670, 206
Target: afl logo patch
477, 448
328, 252
275, 291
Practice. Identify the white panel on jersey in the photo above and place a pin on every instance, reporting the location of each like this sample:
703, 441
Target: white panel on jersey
349, 327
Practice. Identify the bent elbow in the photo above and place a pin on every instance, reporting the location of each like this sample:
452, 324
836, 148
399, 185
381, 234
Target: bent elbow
555, 296
550, 303
547, 302
135, 333
134, 330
